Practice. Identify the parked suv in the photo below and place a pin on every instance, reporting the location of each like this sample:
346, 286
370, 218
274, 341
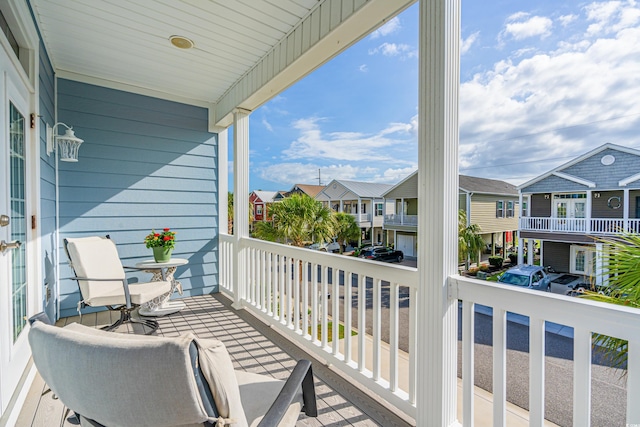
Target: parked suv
326, 247
381, 253
527, 276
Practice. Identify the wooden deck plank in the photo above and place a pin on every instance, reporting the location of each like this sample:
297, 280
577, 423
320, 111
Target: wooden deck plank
253, 347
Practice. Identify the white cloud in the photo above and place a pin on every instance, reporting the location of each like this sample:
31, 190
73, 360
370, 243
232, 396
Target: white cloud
465, 44
401, 50
363, 68
553, 105
346, 145
266, 124
521, 26
612, 16
393, 176
389, 28
567, 19
307, 173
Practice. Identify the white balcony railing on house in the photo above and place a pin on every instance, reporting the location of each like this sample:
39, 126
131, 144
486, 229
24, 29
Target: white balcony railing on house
361, 217
580, 225
274, 291
400, 219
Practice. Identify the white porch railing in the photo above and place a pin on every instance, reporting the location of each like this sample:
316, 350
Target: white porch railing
362, 217
300, 292
399, 219
581, 225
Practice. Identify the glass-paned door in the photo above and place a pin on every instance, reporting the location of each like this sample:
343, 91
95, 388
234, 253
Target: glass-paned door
17, 177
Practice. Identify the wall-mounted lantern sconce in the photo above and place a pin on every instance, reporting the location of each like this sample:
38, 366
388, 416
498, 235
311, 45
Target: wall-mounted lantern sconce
68, 144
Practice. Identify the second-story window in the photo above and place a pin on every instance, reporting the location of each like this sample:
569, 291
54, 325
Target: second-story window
363, 208
379, 209
510, 209
500, 209
258, 209
524, 208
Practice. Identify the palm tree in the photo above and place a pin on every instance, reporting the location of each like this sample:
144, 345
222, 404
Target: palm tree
230, 212
470, 242
298, 220
346, 228
621, 272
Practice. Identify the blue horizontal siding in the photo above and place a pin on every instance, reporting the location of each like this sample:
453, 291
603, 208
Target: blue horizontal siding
145, 163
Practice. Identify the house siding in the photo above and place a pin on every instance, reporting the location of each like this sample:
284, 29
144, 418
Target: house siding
554, 184
557, 255
145, 163
540, 206
607, 177
483, 213
600, 205
47, 220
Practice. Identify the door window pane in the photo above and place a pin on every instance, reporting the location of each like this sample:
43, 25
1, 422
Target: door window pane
18, 219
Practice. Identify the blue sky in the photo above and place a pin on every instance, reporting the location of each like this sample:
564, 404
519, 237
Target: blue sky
541, 83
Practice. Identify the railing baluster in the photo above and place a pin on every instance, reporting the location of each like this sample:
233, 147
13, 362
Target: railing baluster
287, 272
296, 265
267, 284
581, 377
499, 366
393, 336
536, 371
335, 312
376, 328
282, 297
324, 306
633, 382
362, 317
274, 284
305, 298
348, 307
413, 332
314, 302
468, 375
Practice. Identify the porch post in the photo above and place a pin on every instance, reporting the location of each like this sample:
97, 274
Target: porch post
223, 181
599, 264
531, 251
436, 344
587, 227
240, 201
625, 212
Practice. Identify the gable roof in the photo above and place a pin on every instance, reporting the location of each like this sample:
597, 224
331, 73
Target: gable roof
558, 171
265, 196
309, 189
365, 189
474, 184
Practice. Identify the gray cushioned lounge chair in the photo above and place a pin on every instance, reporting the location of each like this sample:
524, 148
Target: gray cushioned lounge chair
102, 280
112, 379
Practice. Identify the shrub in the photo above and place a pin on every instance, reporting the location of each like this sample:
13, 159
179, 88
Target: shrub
484, 268
473, 271
496, 261
513, 258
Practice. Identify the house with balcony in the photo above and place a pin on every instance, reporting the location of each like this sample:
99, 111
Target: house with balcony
364, 201
570, 207
260, 200
491, 204
308, 189
152, 92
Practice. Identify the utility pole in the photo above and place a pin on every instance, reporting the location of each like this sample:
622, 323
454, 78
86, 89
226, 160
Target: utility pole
319, 178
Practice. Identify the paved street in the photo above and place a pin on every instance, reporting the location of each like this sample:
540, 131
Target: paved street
608, 390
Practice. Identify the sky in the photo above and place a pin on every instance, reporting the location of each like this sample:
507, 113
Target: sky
541, 83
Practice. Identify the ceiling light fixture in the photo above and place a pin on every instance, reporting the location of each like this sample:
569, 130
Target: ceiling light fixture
181, 42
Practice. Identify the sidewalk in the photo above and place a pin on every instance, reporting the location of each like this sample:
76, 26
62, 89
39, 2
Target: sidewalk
483, 402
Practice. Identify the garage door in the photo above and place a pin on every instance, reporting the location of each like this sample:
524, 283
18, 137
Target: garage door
406, 245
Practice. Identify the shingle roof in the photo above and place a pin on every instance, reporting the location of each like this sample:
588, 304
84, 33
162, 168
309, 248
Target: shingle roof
310, 189
366, 189
473, 184
265, 196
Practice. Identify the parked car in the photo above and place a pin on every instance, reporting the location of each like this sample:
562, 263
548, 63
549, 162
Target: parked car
325, 247
527, 276
573, 285
381, 253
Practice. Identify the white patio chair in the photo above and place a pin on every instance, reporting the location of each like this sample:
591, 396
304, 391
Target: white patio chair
115, 379
102, 280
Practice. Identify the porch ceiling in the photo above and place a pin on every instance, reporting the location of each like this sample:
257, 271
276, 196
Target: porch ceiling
125, 44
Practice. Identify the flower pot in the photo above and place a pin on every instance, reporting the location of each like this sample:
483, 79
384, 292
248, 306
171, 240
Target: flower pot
162, 254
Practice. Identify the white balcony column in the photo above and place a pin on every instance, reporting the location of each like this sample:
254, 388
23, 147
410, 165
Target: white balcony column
240, 202
438, 103
223, 181
531, 251
599, 264
625, 212
468, 208
587, 219
520, 249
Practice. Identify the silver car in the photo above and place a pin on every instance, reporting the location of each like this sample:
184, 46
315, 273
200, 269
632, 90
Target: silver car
527, 276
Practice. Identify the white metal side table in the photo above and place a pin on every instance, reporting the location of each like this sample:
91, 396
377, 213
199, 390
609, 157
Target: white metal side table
161, 306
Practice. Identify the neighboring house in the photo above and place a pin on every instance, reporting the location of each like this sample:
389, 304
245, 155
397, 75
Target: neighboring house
569, 207
489, 203
308, 189
261, 201
364, 201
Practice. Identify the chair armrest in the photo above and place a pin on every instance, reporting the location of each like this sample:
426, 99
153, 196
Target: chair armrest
302, 376
125, 285
40, 317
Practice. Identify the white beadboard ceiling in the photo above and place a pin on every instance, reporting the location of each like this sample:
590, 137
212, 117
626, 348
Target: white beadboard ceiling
246, 51
127, 41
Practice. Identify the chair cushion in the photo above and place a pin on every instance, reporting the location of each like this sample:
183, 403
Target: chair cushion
217, 369
258, 392
96, 373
